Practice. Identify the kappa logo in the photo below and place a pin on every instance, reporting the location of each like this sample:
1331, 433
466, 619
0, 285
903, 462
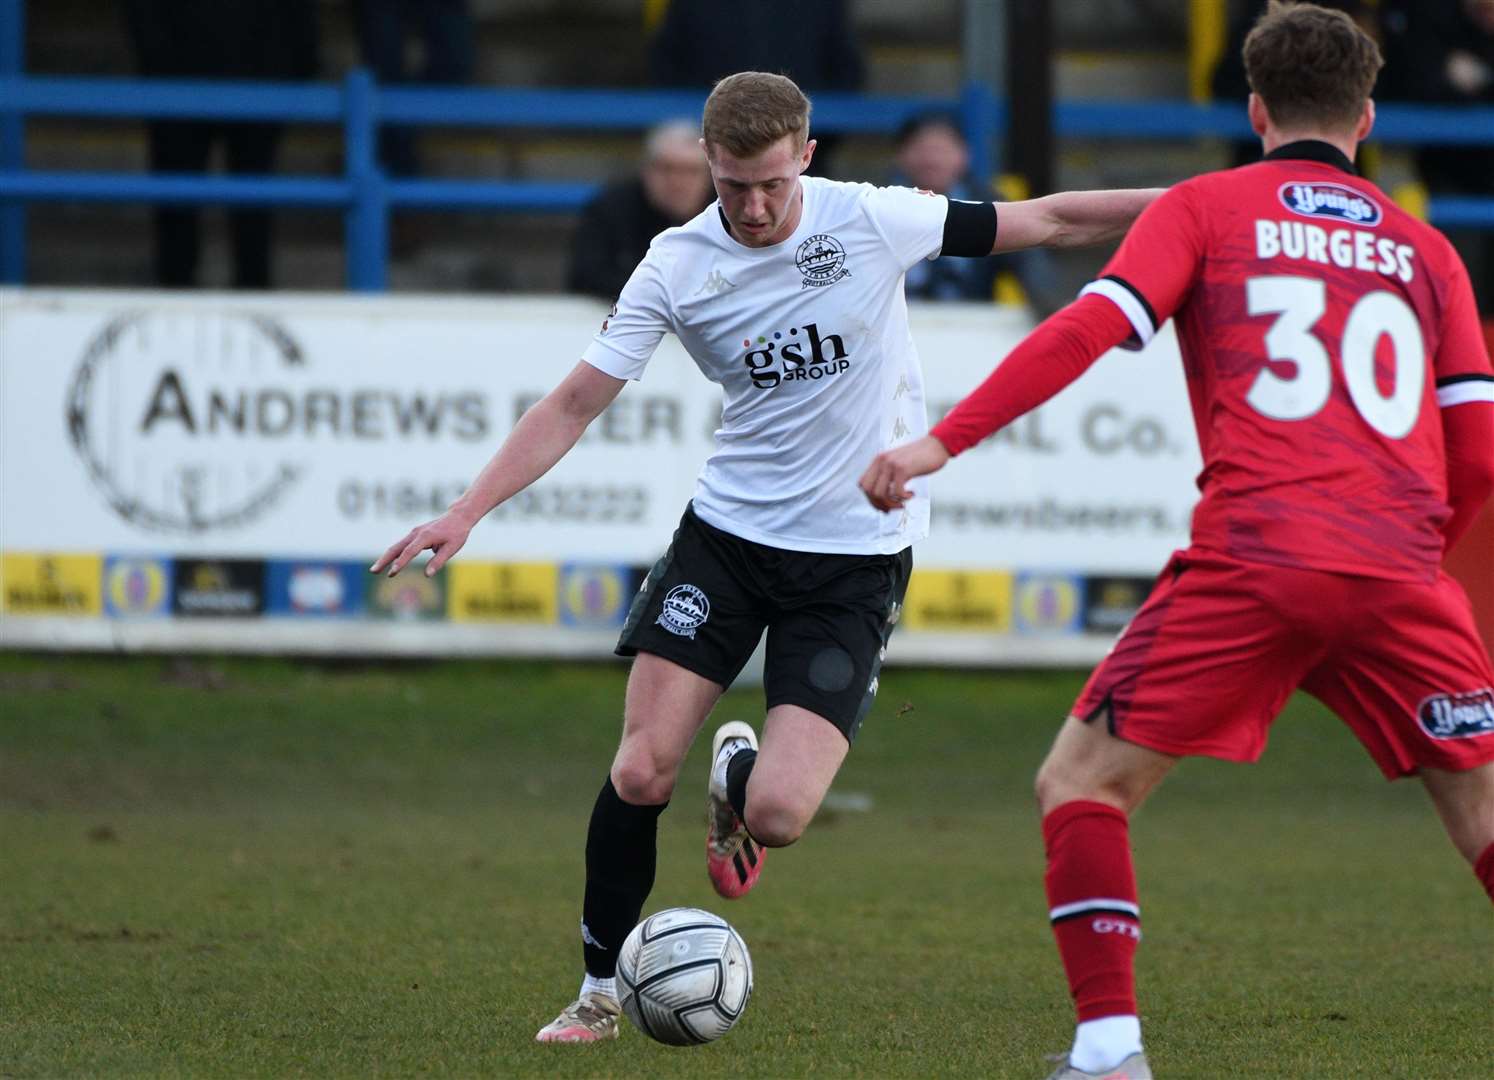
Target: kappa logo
1330, 201
608, 320
685, 610
586, 936
715, 283
1458, 716
822, 261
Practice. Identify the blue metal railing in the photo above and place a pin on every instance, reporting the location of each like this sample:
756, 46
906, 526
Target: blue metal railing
366, 196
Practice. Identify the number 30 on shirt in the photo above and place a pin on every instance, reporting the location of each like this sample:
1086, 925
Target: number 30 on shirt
1298, 303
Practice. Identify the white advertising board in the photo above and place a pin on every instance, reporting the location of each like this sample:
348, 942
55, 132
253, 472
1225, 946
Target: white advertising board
310, 428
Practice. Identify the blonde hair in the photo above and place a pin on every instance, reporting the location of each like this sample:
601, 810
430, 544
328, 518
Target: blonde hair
751, 110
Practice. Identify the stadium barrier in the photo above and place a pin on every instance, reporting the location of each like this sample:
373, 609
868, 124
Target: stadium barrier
211, 471
367, 197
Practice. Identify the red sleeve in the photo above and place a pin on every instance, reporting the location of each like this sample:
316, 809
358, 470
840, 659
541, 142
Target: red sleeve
1468, 435
1461, 351
1465, 392
1047, 360
1152, 273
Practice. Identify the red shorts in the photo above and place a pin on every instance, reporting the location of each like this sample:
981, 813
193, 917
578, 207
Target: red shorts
1219, 646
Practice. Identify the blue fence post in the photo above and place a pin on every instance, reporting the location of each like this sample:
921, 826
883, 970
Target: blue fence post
366, 229
12, 144
978, 107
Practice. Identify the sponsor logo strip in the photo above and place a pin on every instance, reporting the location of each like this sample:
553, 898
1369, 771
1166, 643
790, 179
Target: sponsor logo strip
960, 600
137, 586
44, 584
503, 592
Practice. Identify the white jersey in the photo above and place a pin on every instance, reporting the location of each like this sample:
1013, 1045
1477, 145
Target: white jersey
809, 341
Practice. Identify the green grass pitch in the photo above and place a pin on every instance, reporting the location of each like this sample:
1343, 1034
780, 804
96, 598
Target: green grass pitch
264, 868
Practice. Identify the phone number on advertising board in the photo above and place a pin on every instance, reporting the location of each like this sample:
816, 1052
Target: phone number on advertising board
358, 500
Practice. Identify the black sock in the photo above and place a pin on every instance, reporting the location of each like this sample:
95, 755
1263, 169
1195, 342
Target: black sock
621, 852
738, 769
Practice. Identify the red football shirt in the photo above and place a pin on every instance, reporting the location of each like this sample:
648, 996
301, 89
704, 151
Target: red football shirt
1320, 328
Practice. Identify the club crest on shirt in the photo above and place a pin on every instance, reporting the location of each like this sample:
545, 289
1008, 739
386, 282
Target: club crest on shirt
685, 610
1333, 201
1458, 716
822, 261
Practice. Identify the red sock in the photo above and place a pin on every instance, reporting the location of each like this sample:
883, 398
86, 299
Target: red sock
1092, 903
1484, 868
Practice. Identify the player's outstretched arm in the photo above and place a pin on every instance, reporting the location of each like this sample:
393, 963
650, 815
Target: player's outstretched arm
1069, 218
542, 437
885, 482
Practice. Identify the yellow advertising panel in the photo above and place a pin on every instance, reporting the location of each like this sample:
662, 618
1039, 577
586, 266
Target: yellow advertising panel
51, 584
502, 592
954, 600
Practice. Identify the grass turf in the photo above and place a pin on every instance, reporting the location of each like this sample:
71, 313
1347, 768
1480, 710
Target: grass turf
262, 868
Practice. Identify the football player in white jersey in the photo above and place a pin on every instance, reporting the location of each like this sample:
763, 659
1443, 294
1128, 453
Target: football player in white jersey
788, 292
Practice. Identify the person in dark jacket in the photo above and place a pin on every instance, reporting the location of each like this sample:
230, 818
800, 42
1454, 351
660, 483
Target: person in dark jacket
701, 41
228, 39
673, 185
1442, 53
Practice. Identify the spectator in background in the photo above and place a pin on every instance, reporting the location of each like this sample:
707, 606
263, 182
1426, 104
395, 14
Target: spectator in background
229, 39
447, 58
932, 154
1442, 52
673, 185
810, 41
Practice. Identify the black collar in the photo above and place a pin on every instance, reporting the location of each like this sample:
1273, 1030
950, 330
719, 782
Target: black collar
1313, 150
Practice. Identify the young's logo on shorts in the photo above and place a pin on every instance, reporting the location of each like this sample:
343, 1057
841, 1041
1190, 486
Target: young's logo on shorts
1458, 716
1330, 201
822, 261
685, 609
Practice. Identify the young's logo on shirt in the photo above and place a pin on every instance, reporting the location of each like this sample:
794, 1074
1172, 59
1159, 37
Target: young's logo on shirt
822, 261
827, 356
1330, 201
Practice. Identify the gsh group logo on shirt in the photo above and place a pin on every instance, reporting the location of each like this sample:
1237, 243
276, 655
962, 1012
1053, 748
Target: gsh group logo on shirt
1333, 201
780, 358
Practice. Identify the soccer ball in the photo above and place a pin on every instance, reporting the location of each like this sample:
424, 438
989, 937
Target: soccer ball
685, 976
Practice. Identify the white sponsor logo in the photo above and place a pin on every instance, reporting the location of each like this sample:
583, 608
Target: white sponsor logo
593, 942
315, 588
1116, 926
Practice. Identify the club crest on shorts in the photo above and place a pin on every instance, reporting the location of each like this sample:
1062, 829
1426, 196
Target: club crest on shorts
1458, 716
685, 609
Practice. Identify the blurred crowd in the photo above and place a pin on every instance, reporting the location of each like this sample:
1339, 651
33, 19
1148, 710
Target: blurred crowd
1437, 52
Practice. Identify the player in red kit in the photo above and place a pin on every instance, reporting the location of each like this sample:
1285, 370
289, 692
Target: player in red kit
1345, 409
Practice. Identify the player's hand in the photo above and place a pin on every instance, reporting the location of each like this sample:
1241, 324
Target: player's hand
444, 536
885, 482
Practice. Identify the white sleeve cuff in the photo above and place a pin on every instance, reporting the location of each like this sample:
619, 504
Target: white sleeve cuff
1133, 307
1461, 389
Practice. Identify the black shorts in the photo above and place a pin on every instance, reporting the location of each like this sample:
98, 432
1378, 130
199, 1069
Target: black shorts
705, 605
